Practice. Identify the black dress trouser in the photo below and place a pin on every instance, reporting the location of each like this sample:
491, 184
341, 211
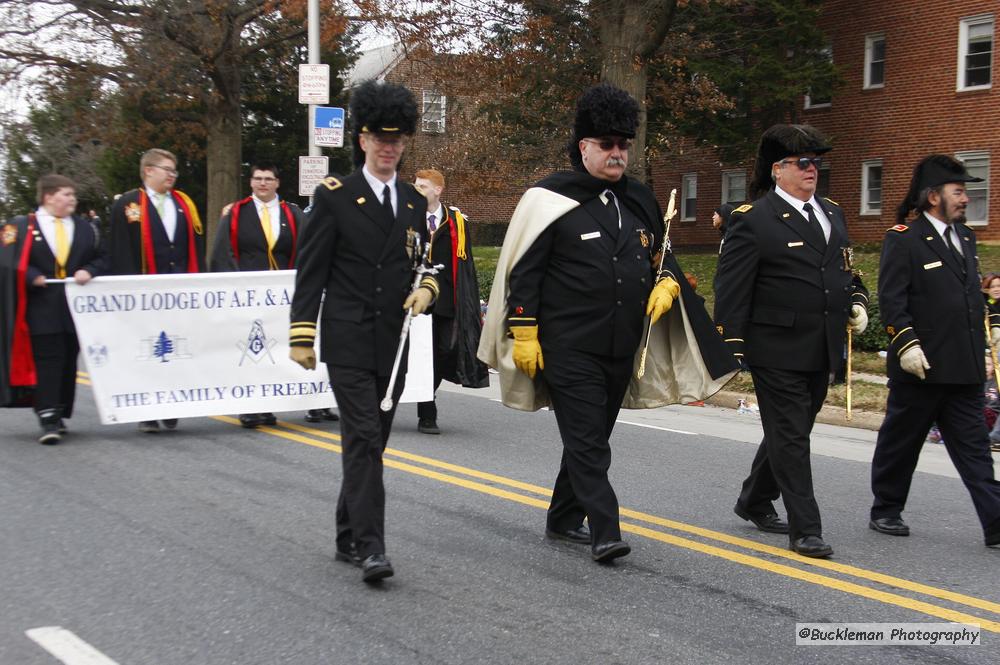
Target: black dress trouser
364, 431
910, 412
789, 401
587, 392
55, 364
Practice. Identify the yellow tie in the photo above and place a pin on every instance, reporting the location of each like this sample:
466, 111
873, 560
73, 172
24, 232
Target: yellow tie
158, 204
62, 248
265, 222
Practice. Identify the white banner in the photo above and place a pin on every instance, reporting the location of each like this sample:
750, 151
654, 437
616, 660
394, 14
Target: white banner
178, 346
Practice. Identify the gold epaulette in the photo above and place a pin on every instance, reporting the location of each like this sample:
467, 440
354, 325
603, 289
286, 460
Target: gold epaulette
899, 228
332, 183
746, 207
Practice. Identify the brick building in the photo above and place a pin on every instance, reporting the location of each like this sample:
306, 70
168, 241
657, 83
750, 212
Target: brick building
917, 79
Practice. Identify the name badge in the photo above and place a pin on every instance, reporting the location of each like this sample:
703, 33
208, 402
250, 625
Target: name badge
590, 236
796, 244
936, 264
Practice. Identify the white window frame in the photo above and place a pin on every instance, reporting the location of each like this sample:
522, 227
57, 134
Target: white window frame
866, 207
726, 176
685, 213
808, 103
430, 99
870, 41
963, 50
985, 185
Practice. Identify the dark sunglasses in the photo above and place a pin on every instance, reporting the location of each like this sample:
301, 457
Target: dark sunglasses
608, 144
804, 162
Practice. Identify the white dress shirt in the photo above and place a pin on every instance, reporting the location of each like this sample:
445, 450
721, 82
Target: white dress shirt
799, 204
941, 227
169, 216
378, 186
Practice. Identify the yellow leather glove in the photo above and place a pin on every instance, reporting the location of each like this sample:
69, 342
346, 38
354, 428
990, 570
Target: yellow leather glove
303, 355
419, 300
661, 299
527, 350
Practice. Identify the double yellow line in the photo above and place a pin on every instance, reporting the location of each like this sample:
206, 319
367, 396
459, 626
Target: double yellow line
694, 538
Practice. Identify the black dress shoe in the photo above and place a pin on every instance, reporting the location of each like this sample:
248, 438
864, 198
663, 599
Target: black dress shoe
149, 427
170, 423
428, 426
578, 536
604, 552
811, 546
50, 434
893, 526
375, 568
317, 415
267, 419
992, 534
250, 420
770, 523
348, 556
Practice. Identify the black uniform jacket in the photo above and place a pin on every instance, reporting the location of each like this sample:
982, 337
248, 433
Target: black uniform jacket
352, 249
31, 309
925, 299
134, 227
249, 251
459, 297
584, 281
782, 299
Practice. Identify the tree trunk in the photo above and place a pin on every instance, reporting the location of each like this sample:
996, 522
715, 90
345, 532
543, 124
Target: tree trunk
223, 150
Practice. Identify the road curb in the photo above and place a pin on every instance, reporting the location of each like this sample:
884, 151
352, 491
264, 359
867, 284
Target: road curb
830, 415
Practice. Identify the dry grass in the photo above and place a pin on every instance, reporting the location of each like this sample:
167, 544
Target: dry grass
865, 396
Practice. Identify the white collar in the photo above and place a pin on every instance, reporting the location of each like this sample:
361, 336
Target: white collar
798, 204
376, 184
438, 212
270, 204
938, 225
151, 193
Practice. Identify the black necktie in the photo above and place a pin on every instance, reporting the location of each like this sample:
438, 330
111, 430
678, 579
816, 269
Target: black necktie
949, 237
814, 226
613, 215
387, 202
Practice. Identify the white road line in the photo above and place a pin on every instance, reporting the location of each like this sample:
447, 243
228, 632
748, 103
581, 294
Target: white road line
67, 647
662, 429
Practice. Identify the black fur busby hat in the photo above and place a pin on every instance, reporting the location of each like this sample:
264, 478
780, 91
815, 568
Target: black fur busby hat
602, 110
383, 108
778, 142
930, 172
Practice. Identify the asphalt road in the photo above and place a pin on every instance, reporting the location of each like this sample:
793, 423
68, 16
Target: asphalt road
214, 545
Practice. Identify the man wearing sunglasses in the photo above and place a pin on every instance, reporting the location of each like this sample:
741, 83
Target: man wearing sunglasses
934, 314
785, 293
579, 283
156, 230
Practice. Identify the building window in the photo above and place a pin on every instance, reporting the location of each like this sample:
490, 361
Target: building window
823, 182
975, 52
734, 187
432, 118
820, 101
871, 187
875, 61
689, 196
978, 166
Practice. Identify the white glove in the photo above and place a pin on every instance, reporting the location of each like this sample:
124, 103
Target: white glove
994, 337
914, 361
858, 320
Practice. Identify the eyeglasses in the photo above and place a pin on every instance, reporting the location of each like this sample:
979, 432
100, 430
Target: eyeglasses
263, 179
165, 169
391, 140
608, 144
804, 162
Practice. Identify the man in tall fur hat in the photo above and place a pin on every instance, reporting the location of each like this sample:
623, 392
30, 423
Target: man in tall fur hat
934, 314
785, 292
573, 284
360, 245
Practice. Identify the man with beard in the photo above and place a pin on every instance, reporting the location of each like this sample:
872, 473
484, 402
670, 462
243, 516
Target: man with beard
785, 295
573, 283
933, 311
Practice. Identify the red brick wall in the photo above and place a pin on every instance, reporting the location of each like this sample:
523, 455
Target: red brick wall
916, 113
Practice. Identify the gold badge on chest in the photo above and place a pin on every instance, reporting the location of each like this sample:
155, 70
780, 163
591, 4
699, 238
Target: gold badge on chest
8, 234
133, 213
643, 237
412, 239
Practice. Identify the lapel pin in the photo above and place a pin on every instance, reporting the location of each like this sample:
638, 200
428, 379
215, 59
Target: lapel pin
361, 201
409, 205
929, 238
786, 215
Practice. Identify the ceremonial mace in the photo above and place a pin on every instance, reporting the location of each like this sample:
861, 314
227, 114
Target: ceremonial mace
849, 266
420, 270
664, 250
993, 349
